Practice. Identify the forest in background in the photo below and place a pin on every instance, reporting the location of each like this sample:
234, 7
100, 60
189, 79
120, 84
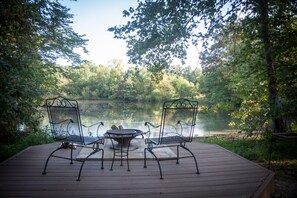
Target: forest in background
248, 60
91, 81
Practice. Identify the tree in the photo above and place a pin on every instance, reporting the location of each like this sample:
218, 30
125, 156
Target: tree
33, 34
160, 30
183, 88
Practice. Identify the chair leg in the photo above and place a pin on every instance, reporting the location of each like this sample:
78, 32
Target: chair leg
128, 156
121, 154
71, 154
144, 153
193, 157
45, 166
97, 148
112, 159
177, 154
81, 167
161, 175
102, 167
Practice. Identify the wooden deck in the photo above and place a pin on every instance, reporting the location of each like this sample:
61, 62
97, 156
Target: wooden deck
222, 174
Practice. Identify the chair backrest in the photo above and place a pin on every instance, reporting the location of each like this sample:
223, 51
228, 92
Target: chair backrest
178, 118
64, 118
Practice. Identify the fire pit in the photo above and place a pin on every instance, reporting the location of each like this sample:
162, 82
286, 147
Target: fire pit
123, 136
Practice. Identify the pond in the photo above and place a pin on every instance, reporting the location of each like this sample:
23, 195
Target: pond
135, 114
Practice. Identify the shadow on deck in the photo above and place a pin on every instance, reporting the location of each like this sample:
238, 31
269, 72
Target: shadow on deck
222, 174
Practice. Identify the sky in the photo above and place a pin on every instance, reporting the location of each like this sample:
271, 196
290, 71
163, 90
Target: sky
94, 17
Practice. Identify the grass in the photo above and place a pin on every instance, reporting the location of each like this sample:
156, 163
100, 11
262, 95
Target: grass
283, 159
255, 149
22, 142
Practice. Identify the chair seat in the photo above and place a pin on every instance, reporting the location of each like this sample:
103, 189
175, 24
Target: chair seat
91, 140
73, 139
168, 140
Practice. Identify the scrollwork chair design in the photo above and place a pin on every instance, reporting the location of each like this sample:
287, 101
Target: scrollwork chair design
65, 125
176, 129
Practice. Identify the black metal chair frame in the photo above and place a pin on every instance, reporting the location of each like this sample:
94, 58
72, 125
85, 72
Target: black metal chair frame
177, 138
61, 131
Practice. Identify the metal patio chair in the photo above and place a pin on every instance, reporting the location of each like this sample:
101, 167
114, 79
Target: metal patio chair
66, 127
176, 129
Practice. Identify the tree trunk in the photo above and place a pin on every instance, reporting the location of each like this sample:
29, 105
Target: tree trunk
277, 120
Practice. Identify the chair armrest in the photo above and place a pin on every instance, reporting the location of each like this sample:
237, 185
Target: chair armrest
101, 140
180, 122
97, 124
149, 125
182, 125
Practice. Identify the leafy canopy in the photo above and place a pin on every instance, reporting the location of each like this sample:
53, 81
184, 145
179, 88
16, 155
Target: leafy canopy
158, 31
33, 35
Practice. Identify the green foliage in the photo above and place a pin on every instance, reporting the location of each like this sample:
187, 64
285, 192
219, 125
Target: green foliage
249, 50
92, 82
159, 31
35, 138
33, 35
234, 73
256, 149
251, 117
183, 87
237, 85
248, 148
214, 85
151, 40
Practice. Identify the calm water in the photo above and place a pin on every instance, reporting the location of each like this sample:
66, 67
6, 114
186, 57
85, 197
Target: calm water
133, 115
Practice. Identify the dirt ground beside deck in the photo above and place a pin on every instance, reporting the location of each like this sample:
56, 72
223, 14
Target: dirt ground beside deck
285, 179
285, 187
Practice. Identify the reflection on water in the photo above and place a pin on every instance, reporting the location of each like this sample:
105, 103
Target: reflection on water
134, 114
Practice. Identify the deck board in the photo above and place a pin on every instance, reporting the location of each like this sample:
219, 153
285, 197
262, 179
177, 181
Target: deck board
222, 174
